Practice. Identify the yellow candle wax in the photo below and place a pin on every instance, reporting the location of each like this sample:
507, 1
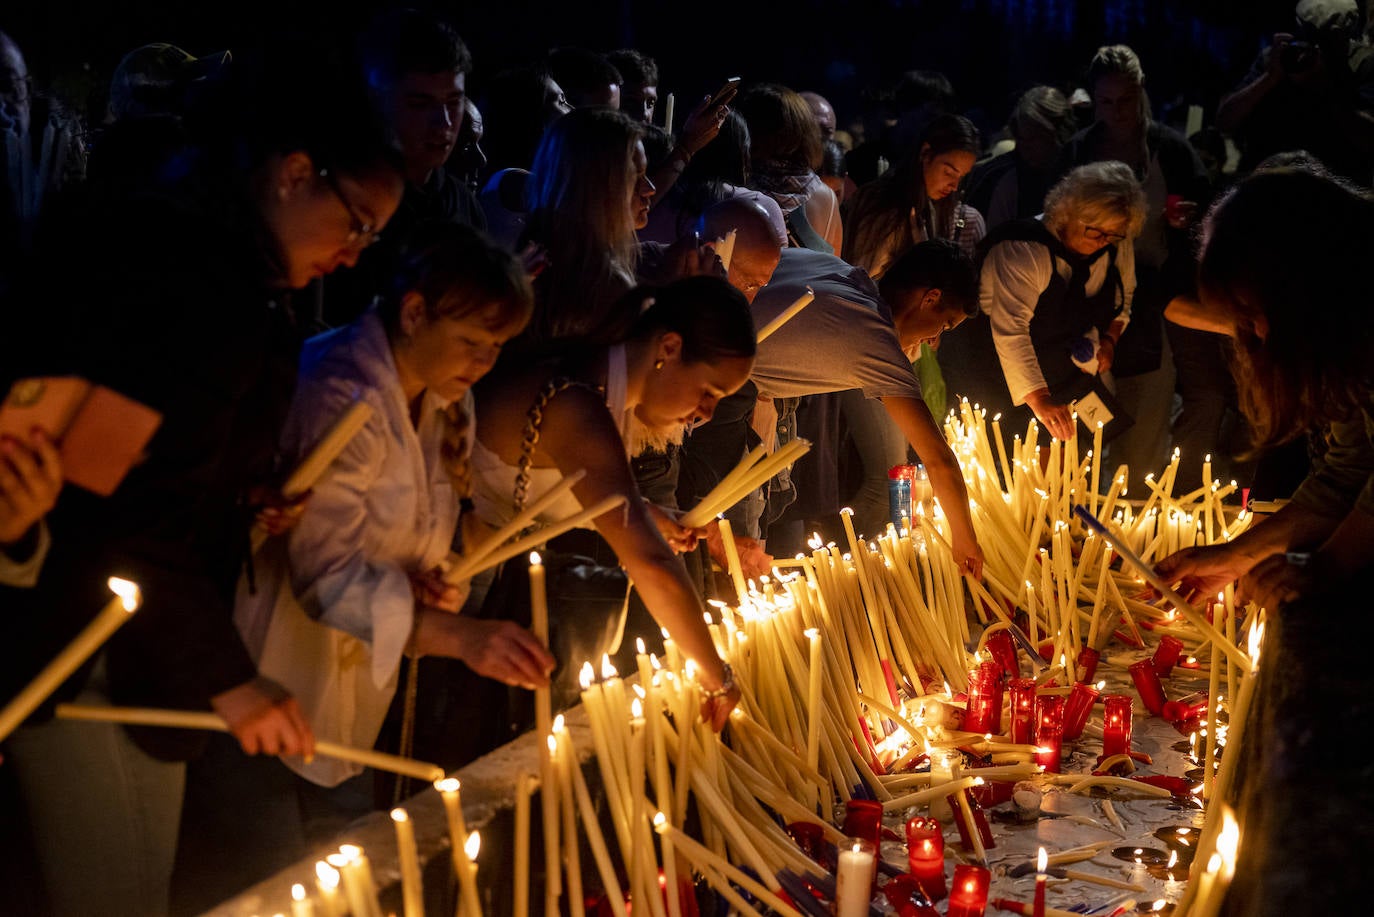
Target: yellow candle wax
412, 893
90, 639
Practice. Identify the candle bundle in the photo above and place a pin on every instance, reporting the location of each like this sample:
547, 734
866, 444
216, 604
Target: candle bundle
749, 475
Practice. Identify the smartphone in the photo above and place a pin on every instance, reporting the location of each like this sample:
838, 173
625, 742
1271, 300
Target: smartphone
731, 83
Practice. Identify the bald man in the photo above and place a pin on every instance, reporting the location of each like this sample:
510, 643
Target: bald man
822, 111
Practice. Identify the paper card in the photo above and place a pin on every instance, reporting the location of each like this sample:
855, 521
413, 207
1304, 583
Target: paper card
100, 434
1092, 411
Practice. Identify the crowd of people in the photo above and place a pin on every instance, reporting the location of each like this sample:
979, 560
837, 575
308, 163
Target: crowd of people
529, 280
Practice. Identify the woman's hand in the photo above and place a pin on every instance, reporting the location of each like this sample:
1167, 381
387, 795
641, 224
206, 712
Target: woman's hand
679, 537
275, 513
716, 707
703, 122
1056, 418
1202, 572
265, 718
500, 650
432, 589
30, 480
689, 257
968, 555
754, 561
1278, 580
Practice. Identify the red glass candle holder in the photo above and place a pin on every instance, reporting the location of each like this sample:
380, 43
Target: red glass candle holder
1049, 732
810, 837
1078, 708
1003, 649
1148, 685
1166, 655
925, 855
1022, 710
864, 818
1116, 725
968, 894
1087, 663
983, 713
1186, 708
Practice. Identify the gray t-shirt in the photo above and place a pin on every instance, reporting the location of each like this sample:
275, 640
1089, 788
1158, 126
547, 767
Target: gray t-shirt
843, 340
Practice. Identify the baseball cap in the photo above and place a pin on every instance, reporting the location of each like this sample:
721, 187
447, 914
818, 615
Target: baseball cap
152, 79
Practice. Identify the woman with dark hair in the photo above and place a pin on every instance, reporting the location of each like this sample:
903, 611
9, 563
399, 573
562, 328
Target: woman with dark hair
335, 605
917, 199
1284, 270
785, 152
587, 194
691, 344
914, 201
182, 303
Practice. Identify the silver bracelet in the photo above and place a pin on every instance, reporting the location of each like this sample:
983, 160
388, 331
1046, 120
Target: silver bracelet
726, 686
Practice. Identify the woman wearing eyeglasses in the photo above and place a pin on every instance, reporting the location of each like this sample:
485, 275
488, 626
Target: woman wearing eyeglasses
1052, 282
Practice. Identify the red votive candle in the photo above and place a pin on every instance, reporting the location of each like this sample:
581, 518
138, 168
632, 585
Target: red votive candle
1166, 655
983, 712
1186, 708
1087, 663
864, 818
925, 855
1022, 710
1049, 732
1116, 725
968, 895
1003, 649
1148, 685
1078, 708
809, 836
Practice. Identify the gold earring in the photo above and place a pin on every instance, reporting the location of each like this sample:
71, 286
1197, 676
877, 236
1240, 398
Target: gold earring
658, 364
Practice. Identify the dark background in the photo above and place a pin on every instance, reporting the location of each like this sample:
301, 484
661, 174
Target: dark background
992, 50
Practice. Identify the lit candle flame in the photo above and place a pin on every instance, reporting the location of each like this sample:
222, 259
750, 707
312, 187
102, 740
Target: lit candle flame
558, 723
553, 744
1042, 862
585, 676
399, 815
607, 668
534, 559
327, 875
350, 852
128, 592
298, 891
447, 785
659, 821
636, 709
474, 844
639, 645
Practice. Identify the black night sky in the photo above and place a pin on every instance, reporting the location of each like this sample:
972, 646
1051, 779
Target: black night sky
991, 49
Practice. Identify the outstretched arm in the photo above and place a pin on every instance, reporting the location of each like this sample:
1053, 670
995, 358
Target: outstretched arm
946, 479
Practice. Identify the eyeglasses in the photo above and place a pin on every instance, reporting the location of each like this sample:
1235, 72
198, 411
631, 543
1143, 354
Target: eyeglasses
1097, 234
361, 233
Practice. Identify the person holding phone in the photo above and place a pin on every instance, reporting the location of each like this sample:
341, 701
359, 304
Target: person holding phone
701, 127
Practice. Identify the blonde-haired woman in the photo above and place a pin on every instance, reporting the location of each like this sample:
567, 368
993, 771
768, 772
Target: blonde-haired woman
1049, 283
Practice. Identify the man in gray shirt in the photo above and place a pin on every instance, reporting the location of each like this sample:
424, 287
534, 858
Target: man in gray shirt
853, 335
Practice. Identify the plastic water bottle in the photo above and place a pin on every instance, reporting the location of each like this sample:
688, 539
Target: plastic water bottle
899, 508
